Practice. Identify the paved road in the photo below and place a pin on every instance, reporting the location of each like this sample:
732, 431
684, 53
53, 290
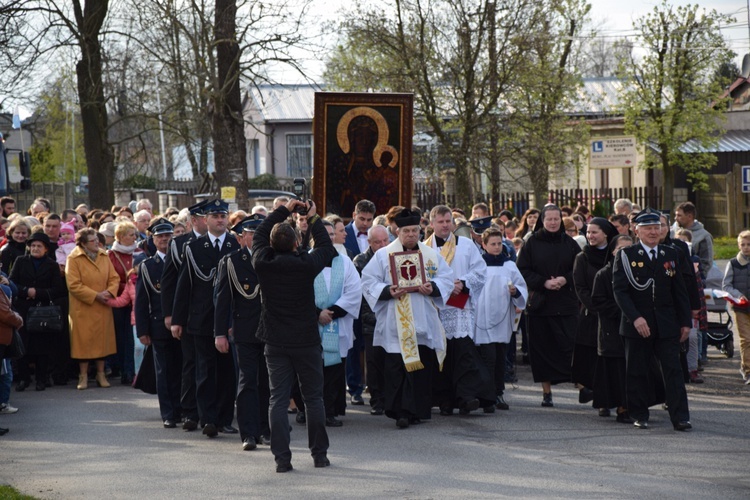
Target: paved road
109, 443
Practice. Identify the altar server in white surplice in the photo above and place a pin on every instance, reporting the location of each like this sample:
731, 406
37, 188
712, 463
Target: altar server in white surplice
463, 382
408, 327
338, 296
498, 308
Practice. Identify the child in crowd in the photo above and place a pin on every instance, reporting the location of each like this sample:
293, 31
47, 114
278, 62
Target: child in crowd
66, 244
737, 284
501, 300
128, 297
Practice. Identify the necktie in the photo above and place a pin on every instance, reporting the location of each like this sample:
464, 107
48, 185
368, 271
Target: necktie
217, 247
653, 254
361, 233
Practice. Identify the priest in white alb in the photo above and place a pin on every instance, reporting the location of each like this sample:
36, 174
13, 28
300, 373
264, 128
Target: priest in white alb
463, 382
408, 327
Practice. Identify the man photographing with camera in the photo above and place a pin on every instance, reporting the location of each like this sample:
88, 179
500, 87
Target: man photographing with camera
289, 325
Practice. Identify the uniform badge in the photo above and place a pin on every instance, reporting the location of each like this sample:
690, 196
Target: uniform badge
229, 244
158, 286
205, 245
640, 264
633, 264
246, 286
244, 257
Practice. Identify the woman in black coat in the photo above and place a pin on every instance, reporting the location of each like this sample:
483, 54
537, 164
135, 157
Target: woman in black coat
546, 263
38, 279
591, 259
18, 232
609, 380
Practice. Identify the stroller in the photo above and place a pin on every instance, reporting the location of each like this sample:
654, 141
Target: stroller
719, 334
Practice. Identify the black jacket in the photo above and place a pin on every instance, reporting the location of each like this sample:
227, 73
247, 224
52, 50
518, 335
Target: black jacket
238, 308
286, 280
10, 253
664, 304
609, 342
172, 263
194, 298
584, 271
47, 281
149, 319
366, 314
543, 256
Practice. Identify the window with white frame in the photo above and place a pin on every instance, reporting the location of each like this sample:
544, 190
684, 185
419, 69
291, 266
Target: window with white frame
299, 155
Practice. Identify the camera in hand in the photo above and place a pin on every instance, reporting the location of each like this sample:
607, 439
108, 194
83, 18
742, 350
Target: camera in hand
300, 192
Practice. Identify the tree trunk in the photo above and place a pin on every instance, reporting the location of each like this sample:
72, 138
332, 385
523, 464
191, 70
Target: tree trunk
228, 131
99, 154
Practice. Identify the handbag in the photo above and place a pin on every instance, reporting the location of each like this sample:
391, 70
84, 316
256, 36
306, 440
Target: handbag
536, 301
146, 378
16, 349
44, 319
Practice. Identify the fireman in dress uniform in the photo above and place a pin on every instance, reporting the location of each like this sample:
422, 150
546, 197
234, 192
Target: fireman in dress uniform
149, 321
193, 321
656, 317
172, 264
237, 304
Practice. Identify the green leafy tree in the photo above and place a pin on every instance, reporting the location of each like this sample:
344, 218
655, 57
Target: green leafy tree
670, 93
458, 57
58, 154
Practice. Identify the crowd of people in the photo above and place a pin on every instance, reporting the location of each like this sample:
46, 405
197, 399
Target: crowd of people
283, 310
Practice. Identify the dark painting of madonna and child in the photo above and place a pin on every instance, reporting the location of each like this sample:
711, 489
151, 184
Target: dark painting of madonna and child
363, 145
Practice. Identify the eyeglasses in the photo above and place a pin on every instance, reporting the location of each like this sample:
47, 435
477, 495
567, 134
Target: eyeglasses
92, 241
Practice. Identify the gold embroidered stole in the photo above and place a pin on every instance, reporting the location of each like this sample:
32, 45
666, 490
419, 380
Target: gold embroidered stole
405, 325
448, 250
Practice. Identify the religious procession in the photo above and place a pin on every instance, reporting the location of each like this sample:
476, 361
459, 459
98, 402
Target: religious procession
239, 321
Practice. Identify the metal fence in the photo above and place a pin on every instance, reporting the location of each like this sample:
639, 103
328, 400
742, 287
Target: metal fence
599, 201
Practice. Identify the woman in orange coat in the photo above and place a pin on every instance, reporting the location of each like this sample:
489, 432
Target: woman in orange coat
92, 280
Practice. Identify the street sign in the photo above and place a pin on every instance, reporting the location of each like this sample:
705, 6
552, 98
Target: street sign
746, 178
613, 152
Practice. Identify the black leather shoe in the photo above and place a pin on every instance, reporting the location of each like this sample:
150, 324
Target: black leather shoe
21, 386
469, 406
585, 395
322, 462
641, 424
333, 422
249, 444
547, 400
604, 412
265, 440
446, 412
228, 429
189, 424
126, 380
682, 426
500, 404
169, 424
3, 431
210, 430
357, 400
402, 422
489, 409
284, 467
301, 418
40, 386
624, 418
377, 411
